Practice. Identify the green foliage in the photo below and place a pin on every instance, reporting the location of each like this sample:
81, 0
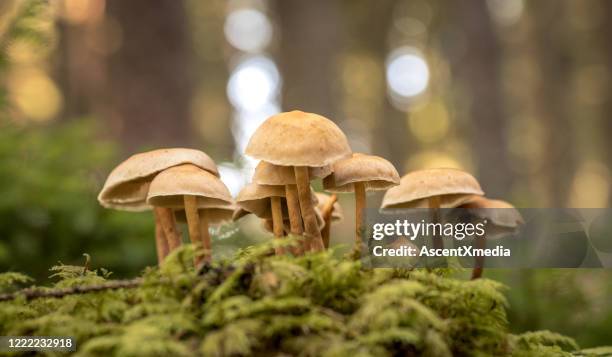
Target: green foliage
49, 177
260, 305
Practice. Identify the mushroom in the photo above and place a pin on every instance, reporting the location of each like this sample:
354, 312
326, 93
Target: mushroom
270, 174
300, 140
331, 211
357, 174
190, 188
435, 189
501, 218
267, 202
127, 186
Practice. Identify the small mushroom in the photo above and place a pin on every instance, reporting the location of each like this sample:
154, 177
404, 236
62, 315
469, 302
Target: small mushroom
270, 174
435, 189
501, 217
300, 140
331, 211
358, 174
127, 186
265, 201
190, 188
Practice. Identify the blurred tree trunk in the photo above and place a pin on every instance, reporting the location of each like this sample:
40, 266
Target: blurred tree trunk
606, 120
310, 38
149, 77
555, 67
478, 70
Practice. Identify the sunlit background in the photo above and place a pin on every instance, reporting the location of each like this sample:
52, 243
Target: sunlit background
516, 92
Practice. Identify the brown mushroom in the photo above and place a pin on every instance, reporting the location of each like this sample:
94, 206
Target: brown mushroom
270, 174
267, 202
127, 186
300, 140
190, 188
358, 174
435, 189
330, 211
501, 218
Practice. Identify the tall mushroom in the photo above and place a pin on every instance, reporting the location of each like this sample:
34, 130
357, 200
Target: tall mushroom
270, 174
434, 189
331, 211
127, 186
358, 174
190, 188
300, 140
501, 218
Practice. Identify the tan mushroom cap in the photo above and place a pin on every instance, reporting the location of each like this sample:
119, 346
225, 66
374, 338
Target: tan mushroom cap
215, 215
446, 201
127, 185
497, 212
168, 188
297, 138
270, 174
255, 198
375, 172
267, 223
429, 183
337, 214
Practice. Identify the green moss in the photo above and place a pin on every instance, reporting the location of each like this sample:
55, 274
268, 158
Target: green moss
259, 305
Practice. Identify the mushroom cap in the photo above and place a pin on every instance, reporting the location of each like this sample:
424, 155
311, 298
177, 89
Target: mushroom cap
496, 212
297, 138
270, 174
215, 214
375, 172
446, 201
267, 223
127, 185
430, 183
168, 188
337, 214
254, 198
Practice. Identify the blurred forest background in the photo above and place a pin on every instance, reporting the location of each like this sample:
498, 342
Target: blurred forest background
517, 92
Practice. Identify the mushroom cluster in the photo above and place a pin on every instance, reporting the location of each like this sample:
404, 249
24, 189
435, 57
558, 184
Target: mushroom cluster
169, 180
294, 148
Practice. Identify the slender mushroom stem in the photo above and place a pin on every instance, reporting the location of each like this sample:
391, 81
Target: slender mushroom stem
205, 237
193, 223
481, 243
313, 234
326, 212
161, 244
434, 205
360, 202
295, 218
277, 221
168, 223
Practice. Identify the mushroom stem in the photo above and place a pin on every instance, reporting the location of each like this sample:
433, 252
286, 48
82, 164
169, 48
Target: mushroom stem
168, 223
326, 212
193, 223
295, 218
360, 202
481, 243
434, 205
277, 221
205, 237
313, 234
161, 244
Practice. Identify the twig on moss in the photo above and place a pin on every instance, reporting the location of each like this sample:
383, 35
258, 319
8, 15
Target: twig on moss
35, 293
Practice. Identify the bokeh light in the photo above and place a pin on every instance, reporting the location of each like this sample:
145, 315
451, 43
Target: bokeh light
506, 12
35, 95
407, 72
248, 30
253, 84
